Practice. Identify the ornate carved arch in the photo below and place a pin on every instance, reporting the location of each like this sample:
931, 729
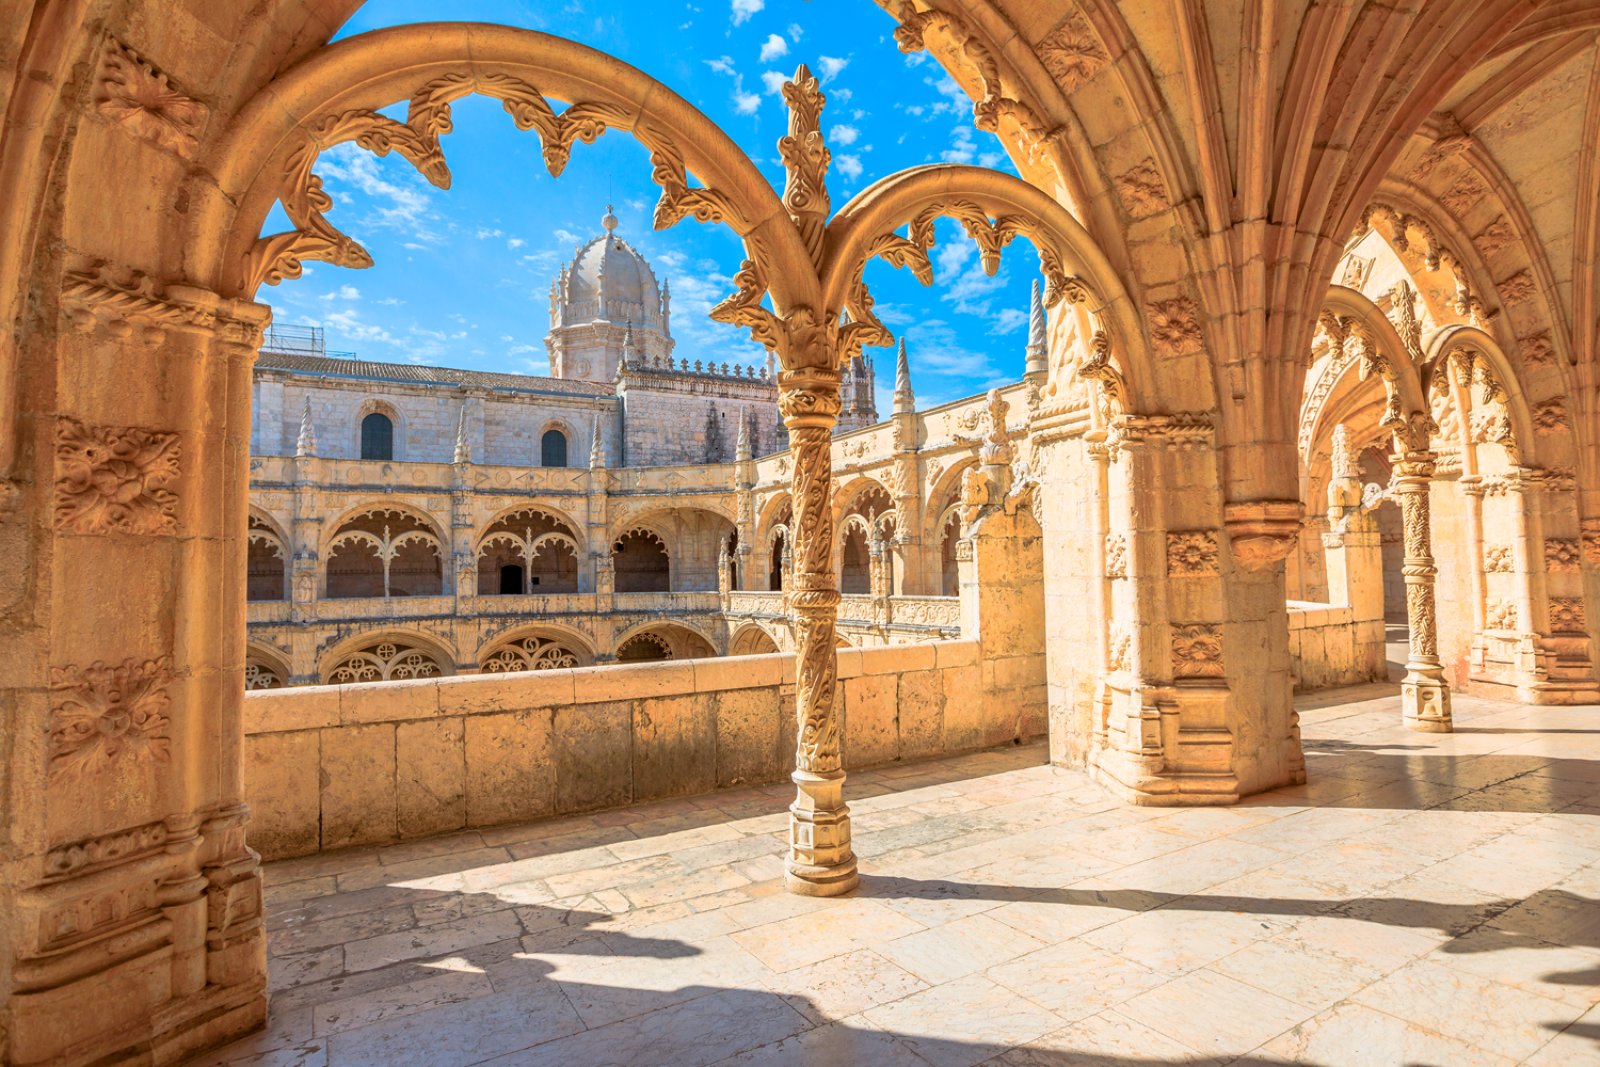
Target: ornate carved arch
387, 656
333, 96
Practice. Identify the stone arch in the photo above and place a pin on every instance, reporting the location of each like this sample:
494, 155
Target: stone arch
333, 96
419, 514
265, 667
692, 535
943, 494
388, 655
752, 639
384, 550
545, 646
1525, 438
534, 549
854, 555
267, 554
679, 640
641, 562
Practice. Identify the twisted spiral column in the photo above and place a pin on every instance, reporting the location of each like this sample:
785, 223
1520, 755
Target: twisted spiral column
820, 861
1424, 693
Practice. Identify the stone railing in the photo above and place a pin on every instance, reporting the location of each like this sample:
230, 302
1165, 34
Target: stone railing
1329, 646
943, 612
330, 766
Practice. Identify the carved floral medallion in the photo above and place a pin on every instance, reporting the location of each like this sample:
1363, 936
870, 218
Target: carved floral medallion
114, 478
105, 716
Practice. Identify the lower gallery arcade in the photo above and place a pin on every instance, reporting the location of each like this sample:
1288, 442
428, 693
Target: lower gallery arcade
1296, 396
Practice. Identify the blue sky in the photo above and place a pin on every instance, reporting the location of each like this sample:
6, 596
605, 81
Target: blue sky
462, 276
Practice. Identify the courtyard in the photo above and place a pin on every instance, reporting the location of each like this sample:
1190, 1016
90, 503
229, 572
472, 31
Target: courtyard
1424, 899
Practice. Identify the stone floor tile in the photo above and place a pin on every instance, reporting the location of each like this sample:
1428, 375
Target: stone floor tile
616, 977
844, 986
702, 1029
286, 1041
1108, 1039
392, 1002
1484, 1013
1182, 936
1075, 979
1213, 1013
1556, 971
843, 927
958, 948
458, 1034
963, 1022
1576, 1046
1284, 968
849, 1041
438, 940
1356, 1034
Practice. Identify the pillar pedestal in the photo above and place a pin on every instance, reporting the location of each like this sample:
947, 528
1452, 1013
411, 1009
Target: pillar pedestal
821, 863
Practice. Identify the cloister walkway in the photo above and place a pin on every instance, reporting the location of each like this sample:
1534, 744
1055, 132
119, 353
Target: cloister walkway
1426, 899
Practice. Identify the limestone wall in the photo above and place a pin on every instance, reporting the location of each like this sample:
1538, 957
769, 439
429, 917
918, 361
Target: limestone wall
331, 766
1329, 646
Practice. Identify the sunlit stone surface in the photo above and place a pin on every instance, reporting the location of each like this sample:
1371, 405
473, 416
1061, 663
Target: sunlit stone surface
1429, 898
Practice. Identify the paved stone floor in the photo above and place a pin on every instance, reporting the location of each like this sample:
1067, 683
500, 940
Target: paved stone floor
1425, 900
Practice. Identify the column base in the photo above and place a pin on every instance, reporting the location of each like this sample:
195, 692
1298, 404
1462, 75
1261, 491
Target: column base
1425, 704
820, 863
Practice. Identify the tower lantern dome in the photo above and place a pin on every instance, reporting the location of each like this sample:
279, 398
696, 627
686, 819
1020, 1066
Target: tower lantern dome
608, 288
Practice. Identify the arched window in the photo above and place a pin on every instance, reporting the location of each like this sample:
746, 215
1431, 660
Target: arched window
553, 449
377, 437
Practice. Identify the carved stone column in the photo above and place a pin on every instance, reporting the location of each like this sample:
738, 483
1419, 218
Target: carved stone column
820, 862
1424, 694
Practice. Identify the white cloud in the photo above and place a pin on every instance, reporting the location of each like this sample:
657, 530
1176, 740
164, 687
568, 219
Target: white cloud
566, 237
744, 9
849, 166
795, 31
773, 80
400, 204
831, 66
773, 47
745, 103
961, 149
515, 243
1008, 319
485, 233
914, 109
845, 135
722, 65
344, 292
391, 302
843, 95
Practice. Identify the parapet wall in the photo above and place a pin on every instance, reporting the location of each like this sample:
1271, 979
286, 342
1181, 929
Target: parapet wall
331, 766
1329, 646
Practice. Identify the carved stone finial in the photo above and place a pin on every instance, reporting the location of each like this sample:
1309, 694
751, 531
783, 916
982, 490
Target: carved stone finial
806, 157
1036, 363
904, 399
996, 450
597, 447
744, 450
608, 221
307, 443
463, 450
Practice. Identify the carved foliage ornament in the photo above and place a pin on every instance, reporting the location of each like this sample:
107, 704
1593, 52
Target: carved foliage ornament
135, 95
1174, 326
105, 716
1562, 554
280, 256
114, 479
1072, 53
1567, 616
1116, 556
1197, 651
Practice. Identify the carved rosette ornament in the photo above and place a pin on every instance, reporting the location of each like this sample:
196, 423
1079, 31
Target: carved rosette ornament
1197, 652
1424, 694
1191, 553
113, 479
105, 717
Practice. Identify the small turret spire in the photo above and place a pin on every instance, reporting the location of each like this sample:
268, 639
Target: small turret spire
307, 443
904, 398
1036, 361
597, 447
463, 450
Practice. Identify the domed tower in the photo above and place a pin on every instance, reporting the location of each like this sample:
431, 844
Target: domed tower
605, 306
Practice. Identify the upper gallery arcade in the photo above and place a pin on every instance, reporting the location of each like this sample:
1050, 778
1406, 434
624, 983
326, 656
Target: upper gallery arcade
1315, 350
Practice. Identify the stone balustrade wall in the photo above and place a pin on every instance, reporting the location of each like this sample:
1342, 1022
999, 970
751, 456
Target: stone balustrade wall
1329, 646
331, 766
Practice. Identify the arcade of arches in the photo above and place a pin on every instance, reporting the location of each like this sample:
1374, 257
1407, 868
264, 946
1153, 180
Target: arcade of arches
1309, 360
